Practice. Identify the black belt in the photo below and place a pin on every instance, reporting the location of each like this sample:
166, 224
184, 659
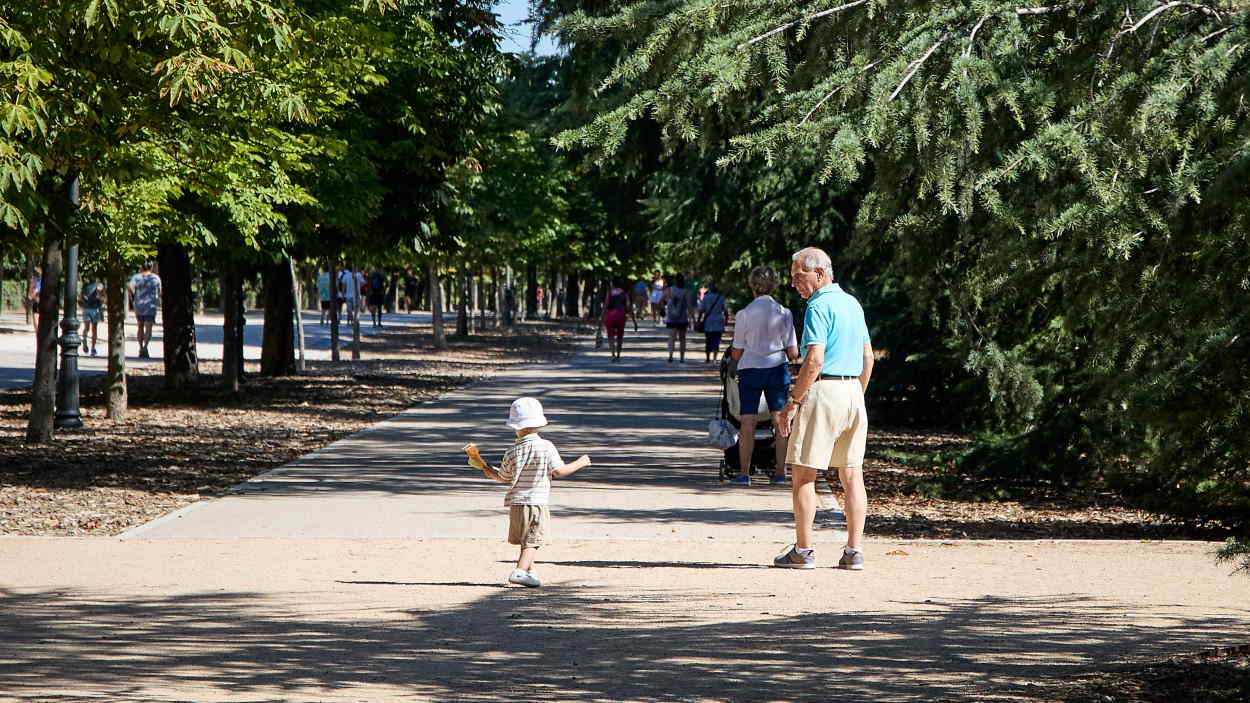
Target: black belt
830, 377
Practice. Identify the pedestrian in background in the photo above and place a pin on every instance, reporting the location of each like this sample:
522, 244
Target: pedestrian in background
712, 318
377, 295
657, 297
677, 315
323, 294
145, 292
92, 302
616, 310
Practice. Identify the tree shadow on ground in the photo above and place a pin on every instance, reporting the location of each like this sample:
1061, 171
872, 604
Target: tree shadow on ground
574, 643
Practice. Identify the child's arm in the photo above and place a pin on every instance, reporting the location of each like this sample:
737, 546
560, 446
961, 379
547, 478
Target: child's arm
492, 473
477, 462
571, 468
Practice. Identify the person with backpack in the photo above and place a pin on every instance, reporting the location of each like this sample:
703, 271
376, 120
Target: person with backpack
349, 284
616, 310
711, 321
676, 315
92, 301
145, 291
376, 290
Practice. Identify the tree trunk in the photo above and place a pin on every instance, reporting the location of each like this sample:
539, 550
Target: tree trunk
182, 368
360, 307
231, 307
297, 315
436, 306
29, 301
277, 352
115, 395
572, 305
462, 284
200, 293
478, 307
531, 291
499, 288
43, 393
596, 311
334, 312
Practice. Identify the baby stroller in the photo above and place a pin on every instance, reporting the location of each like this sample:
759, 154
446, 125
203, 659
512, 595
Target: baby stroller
763, 457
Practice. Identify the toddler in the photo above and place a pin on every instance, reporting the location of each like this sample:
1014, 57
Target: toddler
528, 467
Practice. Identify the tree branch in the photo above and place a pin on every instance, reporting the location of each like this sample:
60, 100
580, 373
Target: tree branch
973, 36
830, 94
1043, 10
1214, 34
915, 66
786, 26
1155, 12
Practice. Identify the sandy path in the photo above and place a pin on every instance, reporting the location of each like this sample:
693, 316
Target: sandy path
373, 570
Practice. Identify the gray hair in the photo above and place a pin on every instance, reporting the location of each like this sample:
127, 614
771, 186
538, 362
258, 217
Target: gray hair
812, 258
763, 280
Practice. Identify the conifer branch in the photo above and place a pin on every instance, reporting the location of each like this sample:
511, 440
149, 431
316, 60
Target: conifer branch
1177, 3
915, 66
1042, 10
831, 93
1214, 34
973, 36
788, 25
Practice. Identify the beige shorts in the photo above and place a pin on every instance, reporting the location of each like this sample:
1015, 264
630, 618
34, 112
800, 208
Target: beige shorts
527, 525
831, 426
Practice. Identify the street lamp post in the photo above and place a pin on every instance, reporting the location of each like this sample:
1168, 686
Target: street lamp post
68, 416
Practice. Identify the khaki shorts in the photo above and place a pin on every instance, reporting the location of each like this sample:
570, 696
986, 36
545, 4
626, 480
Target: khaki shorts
831, 427
527, 525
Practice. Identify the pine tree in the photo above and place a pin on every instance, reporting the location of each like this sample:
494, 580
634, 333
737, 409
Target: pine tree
1060, 189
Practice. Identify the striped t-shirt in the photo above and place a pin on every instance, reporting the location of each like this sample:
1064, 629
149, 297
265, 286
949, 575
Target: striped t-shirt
528, 464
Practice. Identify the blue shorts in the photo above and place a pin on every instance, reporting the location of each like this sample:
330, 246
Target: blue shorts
773, 383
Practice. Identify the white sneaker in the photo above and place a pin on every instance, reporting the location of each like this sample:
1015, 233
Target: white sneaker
525, 578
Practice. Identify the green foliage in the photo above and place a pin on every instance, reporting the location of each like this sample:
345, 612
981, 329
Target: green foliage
1058, 192
1237, 550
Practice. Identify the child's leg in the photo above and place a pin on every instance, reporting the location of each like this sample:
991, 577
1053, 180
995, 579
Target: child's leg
525, 561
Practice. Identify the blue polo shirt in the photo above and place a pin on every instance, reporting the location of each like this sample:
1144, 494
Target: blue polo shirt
835, 320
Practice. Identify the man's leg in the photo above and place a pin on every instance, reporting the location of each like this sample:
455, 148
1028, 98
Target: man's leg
803, 496
852, 479
746, 444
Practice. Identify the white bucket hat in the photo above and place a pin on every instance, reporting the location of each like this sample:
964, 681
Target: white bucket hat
526, 413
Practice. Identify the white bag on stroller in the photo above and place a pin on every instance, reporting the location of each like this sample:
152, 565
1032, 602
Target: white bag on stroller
721, 434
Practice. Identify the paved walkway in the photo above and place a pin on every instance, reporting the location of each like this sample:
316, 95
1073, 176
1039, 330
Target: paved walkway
373, 569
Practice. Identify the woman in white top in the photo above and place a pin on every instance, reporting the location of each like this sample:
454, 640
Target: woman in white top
764, 341
657, 297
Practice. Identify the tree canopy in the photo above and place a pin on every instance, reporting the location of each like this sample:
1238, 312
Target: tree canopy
1058, 191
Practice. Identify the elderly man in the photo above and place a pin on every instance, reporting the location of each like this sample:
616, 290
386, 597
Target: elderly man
826, 406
